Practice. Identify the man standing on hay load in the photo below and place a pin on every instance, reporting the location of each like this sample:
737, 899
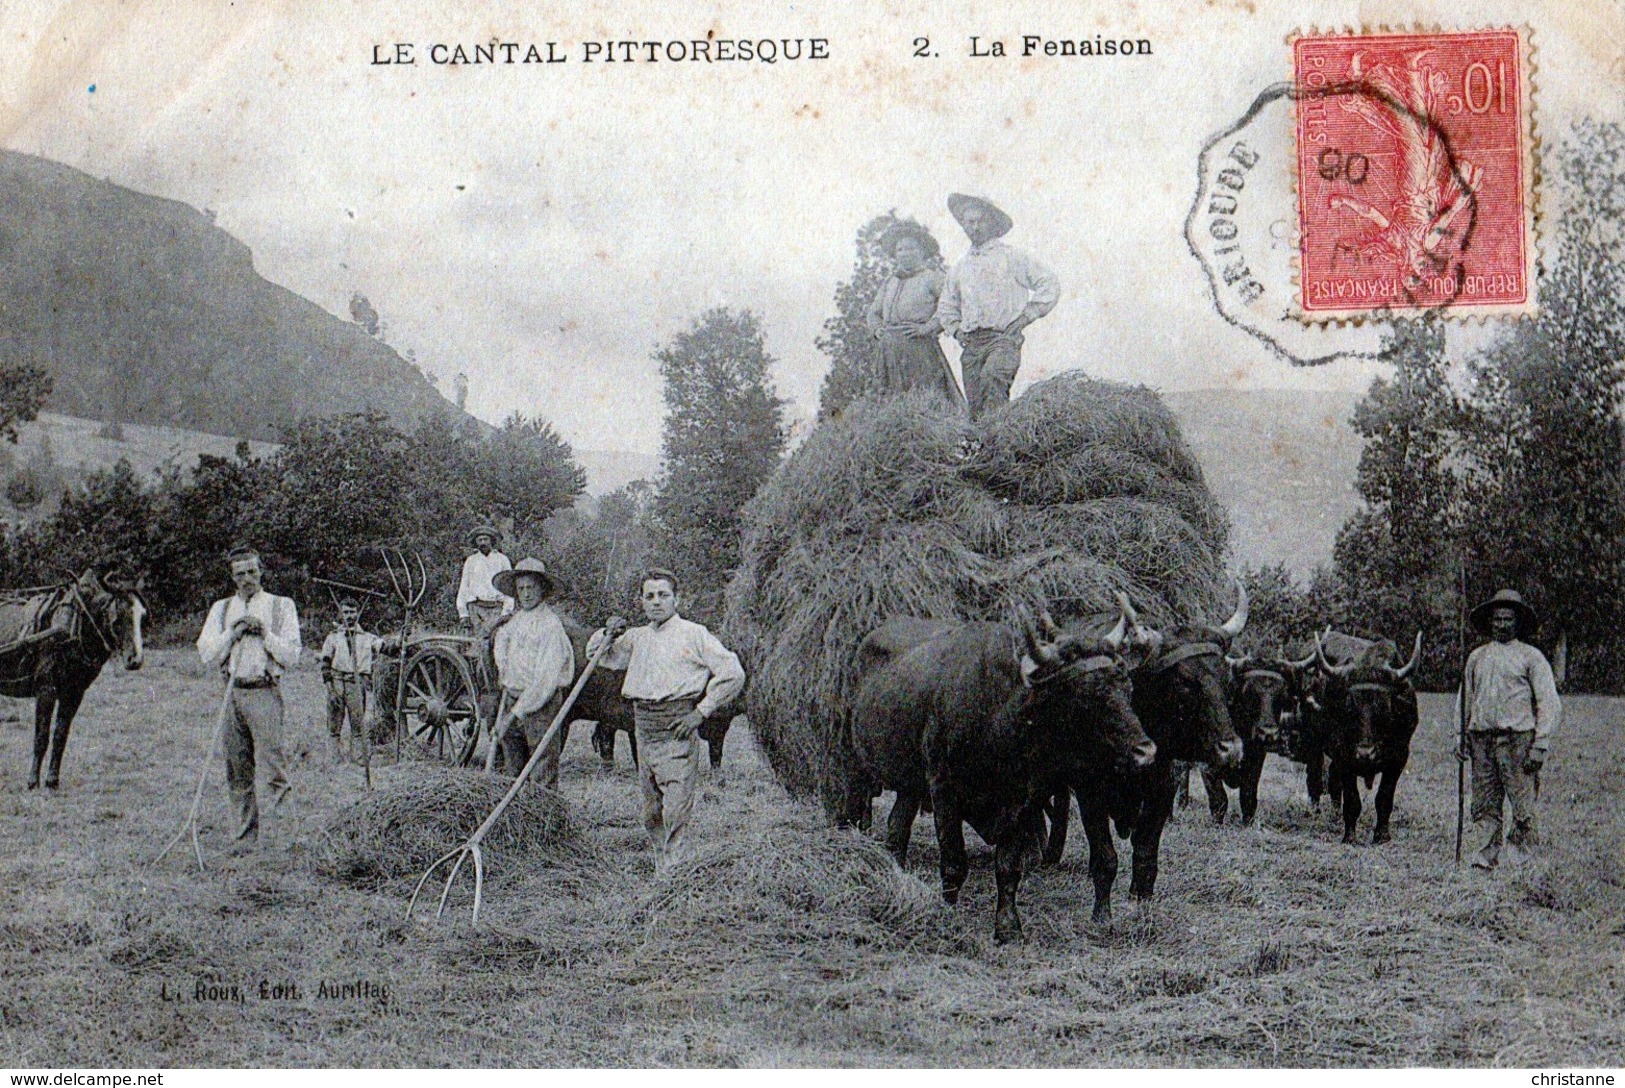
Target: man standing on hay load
1512, 714
990, 297
480, 604
903, 316
347, 659
535, 665
254, 637
678, 674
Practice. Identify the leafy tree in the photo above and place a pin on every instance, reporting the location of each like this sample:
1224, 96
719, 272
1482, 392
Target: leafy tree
25, 490
847, 339
1541, 430
1397, 558
23, 392
724, 435
526, 471
599, 555
363, 314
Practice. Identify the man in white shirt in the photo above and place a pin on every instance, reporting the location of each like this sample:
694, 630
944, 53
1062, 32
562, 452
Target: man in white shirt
990, 297
254, 637
480, 604
677, 675
535, 665
1513, 711
347, 659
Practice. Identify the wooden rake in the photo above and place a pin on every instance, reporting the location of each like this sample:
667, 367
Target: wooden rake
190, 823
471, 848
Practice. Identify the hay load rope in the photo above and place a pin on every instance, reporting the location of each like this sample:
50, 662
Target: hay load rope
1079, 489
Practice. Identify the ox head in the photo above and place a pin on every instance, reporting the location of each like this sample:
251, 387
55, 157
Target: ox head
1364, 697
1084, 683
1259, 697
1184, 686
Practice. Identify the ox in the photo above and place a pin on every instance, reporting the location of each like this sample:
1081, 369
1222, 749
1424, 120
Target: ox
1370, 716
1180, 695
955, 713
55, 643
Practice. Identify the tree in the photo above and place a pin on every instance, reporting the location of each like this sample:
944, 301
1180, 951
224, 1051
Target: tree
363, 314
847, 339
1397, 558
599, 555
1542, 434
23, 392
25, 490
724, 435
526, 471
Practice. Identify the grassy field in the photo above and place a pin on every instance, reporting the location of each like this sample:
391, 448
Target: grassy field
786, 943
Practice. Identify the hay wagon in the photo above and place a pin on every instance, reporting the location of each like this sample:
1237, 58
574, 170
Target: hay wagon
441, 702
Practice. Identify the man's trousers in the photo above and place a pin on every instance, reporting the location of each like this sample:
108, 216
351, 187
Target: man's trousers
254, 735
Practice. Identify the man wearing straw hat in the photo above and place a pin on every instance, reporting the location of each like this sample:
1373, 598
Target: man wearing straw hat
903, 316
1512, 714
989, 299
254, 636
480, 604
535, 665
678, 674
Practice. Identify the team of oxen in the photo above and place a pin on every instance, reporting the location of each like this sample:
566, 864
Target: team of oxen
1001, 725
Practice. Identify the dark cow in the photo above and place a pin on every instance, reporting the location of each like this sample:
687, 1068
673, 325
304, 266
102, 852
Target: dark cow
55, 643
955, 713
1180, 696
1370, 717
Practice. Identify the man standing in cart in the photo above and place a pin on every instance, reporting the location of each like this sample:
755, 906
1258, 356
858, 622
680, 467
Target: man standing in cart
347, 658
535, 665
480, 603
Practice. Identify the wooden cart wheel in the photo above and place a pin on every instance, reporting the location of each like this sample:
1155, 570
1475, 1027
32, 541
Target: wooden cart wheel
439, 708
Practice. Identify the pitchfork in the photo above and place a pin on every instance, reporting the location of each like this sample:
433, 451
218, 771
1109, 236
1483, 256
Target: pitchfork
190, 824
409, 590
471, 848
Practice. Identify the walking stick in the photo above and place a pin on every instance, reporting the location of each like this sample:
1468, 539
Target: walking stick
497, 733
1461, 714
471, 848
202, 776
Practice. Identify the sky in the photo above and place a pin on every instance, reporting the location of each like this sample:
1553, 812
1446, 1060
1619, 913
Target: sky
545, 228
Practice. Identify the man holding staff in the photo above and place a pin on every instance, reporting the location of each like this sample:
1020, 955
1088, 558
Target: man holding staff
1512, 713
535, 665
678, 674
254, 637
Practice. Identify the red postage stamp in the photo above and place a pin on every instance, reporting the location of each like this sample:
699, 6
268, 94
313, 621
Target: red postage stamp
1414, 174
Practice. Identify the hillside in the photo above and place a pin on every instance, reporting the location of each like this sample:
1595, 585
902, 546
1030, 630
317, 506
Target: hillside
1281, 462
144, 311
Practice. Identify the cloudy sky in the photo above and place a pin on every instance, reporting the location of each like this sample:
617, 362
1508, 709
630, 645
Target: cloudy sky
544, 228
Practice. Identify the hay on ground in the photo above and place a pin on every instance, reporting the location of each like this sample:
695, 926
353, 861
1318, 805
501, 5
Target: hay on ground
399, 829
1078, 490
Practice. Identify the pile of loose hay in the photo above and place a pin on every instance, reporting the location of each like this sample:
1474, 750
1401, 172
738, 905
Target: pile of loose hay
903, 508
399, 829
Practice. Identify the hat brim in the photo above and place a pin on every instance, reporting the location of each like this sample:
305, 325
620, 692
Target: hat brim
959, 203
1480, 616
894, 235
507, 582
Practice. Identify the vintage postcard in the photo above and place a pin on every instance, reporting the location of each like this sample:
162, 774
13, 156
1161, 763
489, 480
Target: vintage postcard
546, 535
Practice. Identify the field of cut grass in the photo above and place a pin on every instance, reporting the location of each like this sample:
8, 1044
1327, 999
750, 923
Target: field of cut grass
785, 942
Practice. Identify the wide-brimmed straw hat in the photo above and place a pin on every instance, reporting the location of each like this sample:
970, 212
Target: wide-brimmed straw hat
898, 231
1506, 598
505, 580
959, 203
478, 531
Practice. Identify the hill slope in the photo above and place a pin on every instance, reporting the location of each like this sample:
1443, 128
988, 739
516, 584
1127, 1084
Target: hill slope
144, 311
1282, 463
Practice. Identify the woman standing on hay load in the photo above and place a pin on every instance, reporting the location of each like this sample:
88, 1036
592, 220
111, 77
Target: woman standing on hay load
535, 665
1513, 712
903, 316
678, 674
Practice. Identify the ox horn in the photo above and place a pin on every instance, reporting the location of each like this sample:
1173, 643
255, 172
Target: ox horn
1046, 624
1042, 652
1410, 666
1232, 626
1140, 634
1330, 669
1114, 638
1308, 660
